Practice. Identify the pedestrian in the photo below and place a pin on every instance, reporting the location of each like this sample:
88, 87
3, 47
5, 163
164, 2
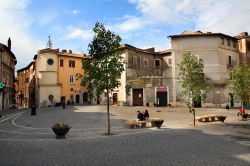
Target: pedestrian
140, 116
63, 103
146, 115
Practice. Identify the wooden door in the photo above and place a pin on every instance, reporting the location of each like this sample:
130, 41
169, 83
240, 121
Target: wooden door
115, 98
137, 97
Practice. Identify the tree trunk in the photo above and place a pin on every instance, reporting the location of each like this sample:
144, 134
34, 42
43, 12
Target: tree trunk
242, 107
108, 111
194, 115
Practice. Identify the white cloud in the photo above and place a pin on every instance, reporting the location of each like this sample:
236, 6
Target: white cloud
75, 32
14, 23
74, 11
129, 23
230, 17
47, 18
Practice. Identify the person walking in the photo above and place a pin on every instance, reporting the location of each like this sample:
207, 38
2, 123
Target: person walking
63, 103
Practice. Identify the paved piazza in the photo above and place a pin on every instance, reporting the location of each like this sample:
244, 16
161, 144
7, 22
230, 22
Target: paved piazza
29, 140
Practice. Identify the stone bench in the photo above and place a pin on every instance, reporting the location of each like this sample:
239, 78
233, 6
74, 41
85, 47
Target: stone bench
210, 118
133, 124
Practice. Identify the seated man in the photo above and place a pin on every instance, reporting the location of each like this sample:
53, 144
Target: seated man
140, 116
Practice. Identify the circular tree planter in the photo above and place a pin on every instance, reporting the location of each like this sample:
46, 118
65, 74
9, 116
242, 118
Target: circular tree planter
60, 130
221, 118
157, 123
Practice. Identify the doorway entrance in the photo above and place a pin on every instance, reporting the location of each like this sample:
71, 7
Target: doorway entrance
162, 97
77, 99
85, 98
137, 97
115, 99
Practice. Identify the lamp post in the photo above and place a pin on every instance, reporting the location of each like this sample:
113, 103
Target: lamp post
158, 103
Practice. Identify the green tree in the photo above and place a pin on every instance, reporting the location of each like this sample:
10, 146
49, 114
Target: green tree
103, 70
239, 82
192, 80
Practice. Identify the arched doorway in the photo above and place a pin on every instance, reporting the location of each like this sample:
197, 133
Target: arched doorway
85, 97
77, 99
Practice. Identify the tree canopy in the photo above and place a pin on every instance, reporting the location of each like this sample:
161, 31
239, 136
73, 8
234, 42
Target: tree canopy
103, 69
191, 76
192, 80
239, 81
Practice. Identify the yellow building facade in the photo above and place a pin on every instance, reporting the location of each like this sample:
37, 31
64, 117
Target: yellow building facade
69, 65
56, 78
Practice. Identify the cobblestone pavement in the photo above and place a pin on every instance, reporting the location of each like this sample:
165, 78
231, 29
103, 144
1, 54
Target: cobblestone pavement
28, 140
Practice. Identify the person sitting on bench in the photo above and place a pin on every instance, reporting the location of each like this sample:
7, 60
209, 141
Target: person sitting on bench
241, 112
146, 115
140, 116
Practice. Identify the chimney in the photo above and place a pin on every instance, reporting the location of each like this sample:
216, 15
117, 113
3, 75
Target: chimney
64, 51
70, 51
9, 43
151, 50
243, 34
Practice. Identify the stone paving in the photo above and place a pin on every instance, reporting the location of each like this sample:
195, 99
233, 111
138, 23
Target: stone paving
29, 140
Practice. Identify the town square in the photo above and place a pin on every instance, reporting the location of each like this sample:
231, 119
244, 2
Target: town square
29, 140
124, 82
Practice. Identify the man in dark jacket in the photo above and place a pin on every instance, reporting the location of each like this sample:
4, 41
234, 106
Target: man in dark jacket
140, 116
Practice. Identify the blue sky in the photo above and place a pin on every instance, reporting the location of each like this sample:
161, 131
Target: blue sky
141, 23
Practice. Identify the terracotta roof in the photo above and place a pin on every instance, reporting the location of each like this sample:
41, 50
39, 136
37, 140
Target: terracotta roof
148, 50
199, 33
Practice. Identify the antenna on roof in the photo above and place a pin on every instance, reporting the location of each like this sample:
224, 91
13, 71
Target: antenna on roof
193, 25
49, 44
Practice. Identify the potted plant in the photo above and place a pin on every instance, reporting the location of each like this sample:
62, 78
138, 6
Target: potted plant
157, 123
60, 129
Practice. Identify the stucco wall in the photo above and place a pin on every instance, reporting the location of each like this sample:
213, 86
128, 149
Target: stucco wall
45, 91
47, 77
215, 57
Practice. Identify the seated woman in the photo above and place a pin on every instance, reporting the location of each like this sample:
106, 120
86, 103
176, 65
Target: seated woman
146, 115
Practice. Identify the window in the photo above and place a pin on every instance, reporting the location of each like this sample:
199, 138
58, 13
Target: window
169, 61
61, 62
222, 41
229, 60
157, 62
234, 44
71, 63
50, 61
134, 60
71, 79
228, 42
145, 61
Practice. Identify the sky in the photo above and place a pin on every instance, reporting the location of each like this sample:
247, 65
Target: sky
141, 23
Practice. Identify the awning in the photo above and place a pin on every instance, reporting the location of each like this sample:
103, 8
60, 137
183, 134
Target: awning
162, 89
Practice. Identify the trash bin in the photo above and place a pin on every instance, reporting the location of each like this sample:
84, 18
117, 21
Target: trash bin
33, 110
